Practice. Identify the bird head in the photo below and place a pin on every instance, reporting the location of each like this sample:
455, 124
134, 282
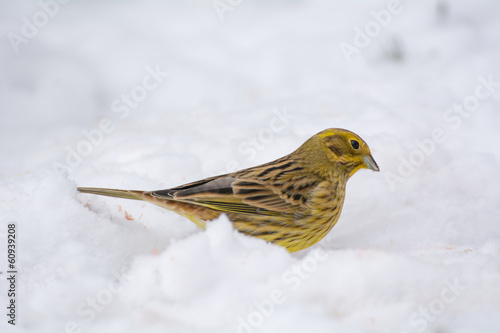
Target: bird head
343, 150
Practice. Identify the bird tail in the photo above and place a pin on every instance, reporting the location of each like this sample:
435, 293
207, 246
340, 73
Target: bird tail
126, 194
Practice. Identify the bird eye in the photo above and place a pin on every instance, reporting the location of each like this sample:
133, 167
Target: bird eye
354, 144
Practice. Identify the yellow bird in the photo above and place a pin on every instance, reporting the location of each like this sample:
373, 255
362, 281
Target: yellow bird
293, 201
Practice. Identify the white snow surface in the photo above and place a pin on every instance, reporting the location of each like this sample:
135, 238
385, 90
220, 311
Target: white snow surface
417, 248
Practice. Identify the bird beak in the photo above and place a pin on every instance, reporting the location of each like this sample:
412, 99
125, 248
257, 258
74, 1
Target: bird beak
370, 163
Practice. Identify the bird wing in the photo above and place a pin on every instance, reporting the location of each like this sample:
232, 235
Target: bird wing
231, 194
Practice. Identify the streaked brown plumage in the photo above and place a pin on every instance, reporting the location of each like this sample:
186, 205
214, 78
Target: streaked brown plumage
293, 201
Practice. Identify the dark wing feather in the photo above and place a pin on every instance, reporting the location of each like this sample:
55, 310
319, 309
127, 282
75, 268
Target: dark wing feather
255, 193
229, 194
194, 186
275, 188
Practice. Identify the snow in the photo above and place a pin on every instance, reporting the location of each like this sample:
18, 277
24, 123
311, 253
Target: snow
417, 248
